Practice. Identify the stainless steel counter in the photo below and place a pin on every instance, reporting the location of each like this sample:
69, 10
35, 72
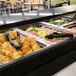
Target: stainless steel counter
17, 17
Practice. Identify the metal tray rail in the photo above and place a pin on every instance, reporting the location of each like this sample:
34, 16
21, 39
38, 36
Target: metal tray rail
30, 35
61, 28
69, 24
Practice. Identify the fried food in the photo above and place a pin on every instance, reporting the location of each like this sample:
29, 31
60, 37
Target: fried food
24, 40
35, 47
16, 42
11, 33
33, 43
0, 43
7, 46
15, 33
0, 50
20, 52
2, 38
9, 52
17, 54
4, 58
26, 49
0, 47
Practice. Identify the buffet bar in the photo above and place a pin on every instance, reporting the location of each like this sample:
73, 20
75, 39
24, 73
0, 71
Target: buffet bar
39, 46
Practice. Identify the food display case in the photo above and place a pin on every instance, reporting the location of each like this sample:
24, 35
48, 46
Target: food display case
39, 43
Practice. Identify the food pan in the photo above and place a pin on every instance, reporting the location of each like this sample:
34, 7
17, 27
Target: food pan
39, 43
64, 22
61, 21
15, 42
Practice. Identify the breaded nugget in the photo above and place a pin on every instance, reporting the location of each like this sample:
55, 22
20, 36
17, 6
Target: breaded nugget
6, 45
32, 41
2, 38
35, 47
16, 42
4, 58
7, 49
24, 40
18, 52
15, 33
1, 56
0, 44
8, 53
26, 49
26, 43
0, 47
0, 50
11, 33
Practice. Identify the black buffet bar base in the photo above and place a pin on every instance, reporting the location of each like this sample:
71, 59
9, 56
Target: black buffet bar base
54, 55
